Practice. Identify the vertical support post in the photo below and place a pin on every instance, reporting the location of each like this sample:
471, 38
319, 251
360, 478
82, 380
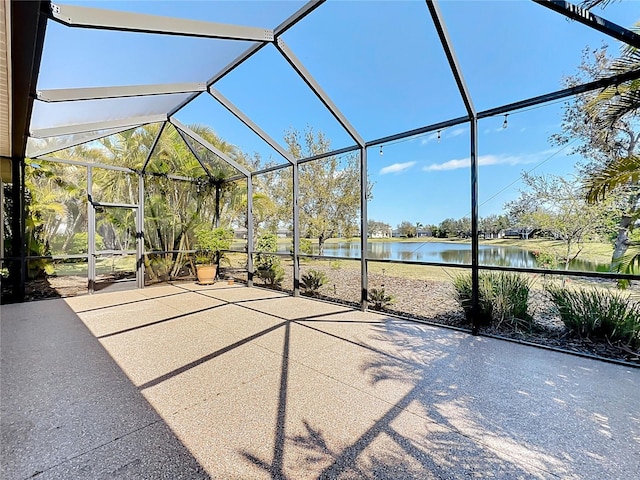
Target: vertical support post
475, 283
364, 275
1, 224
18, 265
140, 232
249, 230
296, 229
216, 220
91, 219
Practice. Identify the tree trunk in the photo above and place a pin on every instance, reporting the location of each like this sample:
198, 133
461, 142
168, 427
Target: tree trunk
622, 241
320, 245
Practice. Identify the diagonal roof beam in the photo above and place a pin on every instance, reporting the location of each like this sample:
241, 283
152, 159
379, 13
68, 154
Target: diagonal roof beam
194, 153
74, 142
589, 19
174, 121
252, 125
92, 127
305, 10
76, 16
98, 93
447, 46
153, 146
319, 92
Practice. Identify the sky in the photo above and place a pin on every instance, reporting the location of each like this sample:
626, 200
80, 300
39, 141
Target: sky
381, 64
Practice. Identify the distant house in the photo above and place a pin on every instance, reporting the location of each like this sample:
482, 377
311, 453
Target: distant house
521, 233
381, 232
424, 232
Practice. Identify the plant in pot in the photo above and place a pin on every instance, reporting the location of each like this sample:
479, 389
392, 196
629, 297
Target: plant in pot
210, 244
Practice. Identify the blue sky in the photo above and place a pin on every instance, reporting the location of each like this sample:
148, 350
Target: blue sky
381, 64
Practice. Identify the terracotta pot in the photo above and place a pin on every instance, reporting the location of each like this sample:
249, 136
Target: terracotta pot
206, 274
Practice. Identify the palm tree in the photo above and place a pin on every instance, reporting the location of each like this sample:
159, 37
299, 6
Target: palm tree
614, 112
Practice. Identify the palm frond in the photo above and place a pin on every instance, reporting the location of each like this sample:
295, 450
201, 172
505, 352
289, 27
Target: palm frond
617, 172
588, 4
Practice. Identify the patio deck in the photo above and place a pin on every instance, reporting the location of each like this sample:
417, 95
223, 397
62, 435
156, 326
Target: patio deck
235, 382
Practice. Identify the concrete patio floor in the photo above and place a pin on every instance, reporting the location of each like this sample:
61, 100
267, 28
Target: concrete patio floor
241, 383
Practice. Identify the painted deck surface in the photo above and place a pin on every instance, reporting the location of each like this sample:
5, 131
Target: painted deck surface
232, 382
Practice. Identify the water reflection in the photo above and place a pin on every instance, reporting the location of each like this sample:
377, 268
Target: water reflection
447, 252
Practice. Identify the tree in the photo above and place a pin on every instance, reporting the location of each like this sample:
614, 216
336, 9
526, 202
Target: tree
378, 229
557, 207
491, 225
407, 229
604, 124
329, 201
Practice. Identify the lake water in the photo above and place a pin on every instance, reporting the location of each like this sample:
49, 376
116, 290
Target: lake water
447, 252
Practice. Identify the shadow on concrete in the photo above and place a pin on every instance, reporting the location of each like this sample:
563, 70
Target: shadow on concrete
67, 409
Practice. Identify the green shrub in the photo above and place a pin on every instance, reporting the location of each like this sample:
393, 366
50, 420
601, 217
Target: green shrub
268, 267
305, 246
591, 313
546, 260
503, 298
379, 299
462, 285
273, 276
312, 281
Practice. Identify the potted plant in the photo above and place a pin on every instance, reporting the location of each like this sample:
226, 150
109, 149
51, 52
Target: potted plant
210, 244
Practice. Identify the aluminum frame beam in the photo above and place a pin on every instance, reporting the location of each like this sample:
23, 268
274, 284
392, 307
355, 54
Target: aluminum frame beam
305, 10
176, 123
447, 46
297, 65
584, 16
226, 103
195, 154
364, 234
74, 142
559, 94
153, 146
76, 16
100, 93
132, 122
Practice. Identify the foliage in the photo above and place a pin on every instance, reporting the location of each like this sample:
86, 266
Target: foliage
378, 229
305, 246
491, 225
503, 298
329, 202
407, 229
210, 243
593, 313
544, 259
268, 267
312, 281
602, 125
451, 227
379, 298
158, 267
554, 205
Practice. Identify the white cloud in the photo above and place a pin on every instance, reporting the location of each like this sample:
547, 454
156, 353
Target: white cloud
456, 132
484, 160
396, 168
430, 138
